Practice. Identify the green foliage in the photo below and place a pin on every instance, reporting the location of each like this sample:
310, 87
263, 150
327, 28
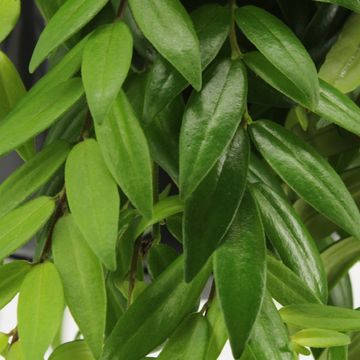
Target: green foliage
250, 116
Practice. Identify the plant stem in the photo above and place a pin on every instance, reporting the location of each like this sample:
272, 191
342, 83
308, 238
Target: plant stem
235, 50
122, 9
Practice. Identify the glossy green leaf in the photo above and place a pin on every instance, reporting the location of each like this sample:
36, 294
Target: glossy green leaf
320, 338
294, 244
30, 176
40, 310
342, 64
126, 153
350, 4
175, 27
106, 62
78, 350
210, 122
338, 108
211, 23
269, 338
147, 316
83, 279
239, 270
11, 278
34, 114
189, 340
94, 199
307, 173
321, 316
282, 48
339, 258
9, 15
18, 226
69, 19
211, 208
285, 286
159, 258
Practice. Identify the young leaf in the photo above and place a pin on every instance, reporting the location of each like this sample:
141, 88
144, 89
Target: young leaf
320, 338
40, 310
211, 23
159, 258
9, 15
106, 62
11, 278
78, 350
126, 153
19, 225
34, 114
342, 64
158, 311
353, 5
294, 244
70, 18
83, 279
30, 176
285, 286
210, 122
175, 27
189, 340
321, 316
239, 270
307, 173
282, 48
210, 209
94, 199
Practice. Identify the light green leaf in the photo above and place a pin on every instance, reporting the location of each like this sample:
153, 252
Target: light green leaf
70, 18
15, 352
158, 311
159, 258
211, 208
9, 15
106, 62
83, 279
126, 153
94, 199
282, 49
239, 270
189, 340
11, 278
19, 225
30, 176
342, 64
320, 338
321, 316
78, 350
49, 8
166, 23
40, 310
210, 122
307, 173
34, 114
350, 4
291, 239
4, 342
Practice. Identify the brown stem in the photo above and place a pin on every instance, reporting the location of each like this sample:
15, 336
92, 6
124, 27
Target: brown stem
206, 306
122, 9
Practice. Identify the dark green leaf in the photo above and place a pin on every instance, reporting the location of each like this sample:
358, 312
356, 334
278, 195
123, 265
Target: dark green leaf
282, 48
211, 24
350, 4
70, 18
320, 338
126, 153
211, 208
175, 27
239, 270
78, 350
9, 14
11, 278
341, 294
40, 310
307, 173
189, 341
147, 314
106, 62
210, 122
296, 247
18, 226
83, 279
159, 258
94, 199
